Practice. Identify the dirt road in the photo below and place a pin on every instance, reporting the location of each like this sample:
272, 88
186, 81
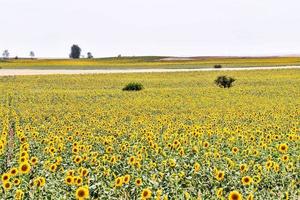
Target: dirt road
13, 72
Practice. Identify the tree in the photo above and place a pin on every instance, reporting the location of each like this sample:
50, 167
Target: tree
5, 54
89, 55
75, 51
31, 54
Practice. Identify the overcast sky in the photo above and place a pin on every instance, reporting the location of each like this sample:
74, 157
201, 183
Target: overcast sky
150, 27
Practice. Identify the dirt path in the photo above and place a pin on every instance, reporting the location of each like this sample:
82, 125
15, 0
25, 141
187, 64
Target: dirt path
12, 72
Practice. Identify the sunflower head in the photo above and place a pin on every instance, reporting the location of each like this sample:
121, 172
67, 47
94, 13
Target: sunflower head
126, 178
13, 171
220, 175
7, 185
146, 194
283, 148
5, 177
119, 182
246, 180
82, 193
234, 195
138, 182
172, 162
34, 160
285, 158
16, 181
69, 180
19, 194
235, 150
196, 167
24, 168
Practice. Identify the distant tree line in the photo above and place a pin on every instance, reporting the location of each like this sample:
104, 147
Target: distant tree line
75, 53
5, 54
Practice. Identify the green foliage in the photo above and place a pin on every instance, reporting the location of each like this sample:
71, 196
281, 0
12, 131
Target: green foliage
133, 87
224, 81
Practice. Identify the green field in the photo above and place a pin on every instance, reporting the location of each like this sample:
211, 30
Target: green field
147, 62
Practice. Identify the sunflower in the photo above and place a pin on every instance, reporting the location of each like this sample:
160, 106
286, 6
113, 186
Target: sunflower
234, 150
146, 194
109, 149
138, 182
77, 159
13, 171
246, 180
34, 160
126, 178
78, 180
205, 144
16, 181
82, 193
220, 175
195, 149
269, 164
181, 152
70, 172
75, 150
119, 182
176, 144
5, 177
283, 148
113, 160
172, 162
131, 160
159, 193
219, 192
84, 172
289, 166
69, 180
276, 167
256, 179
19, 194
22, 159
24, 168
243, 168
36, 182
285, 158
106, 172
186, 195
196, 167
250, 196
235, 195
7, 185
53, 167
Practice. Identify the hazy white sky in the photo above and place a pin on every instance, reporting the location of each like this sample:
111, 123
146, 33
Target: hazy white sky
150, 27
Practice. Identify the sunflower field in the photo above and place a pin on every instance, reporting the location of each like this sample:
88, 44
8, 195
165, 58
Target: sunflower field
181, 137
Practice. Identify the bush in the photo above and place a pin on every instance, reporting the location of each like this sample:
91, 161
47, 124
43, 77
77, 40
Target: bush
133, 87
224, 81
218, 66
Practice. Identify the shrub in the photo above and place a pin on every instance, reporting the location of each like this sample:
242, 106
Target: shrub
224, 81
218, 66
133, 87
